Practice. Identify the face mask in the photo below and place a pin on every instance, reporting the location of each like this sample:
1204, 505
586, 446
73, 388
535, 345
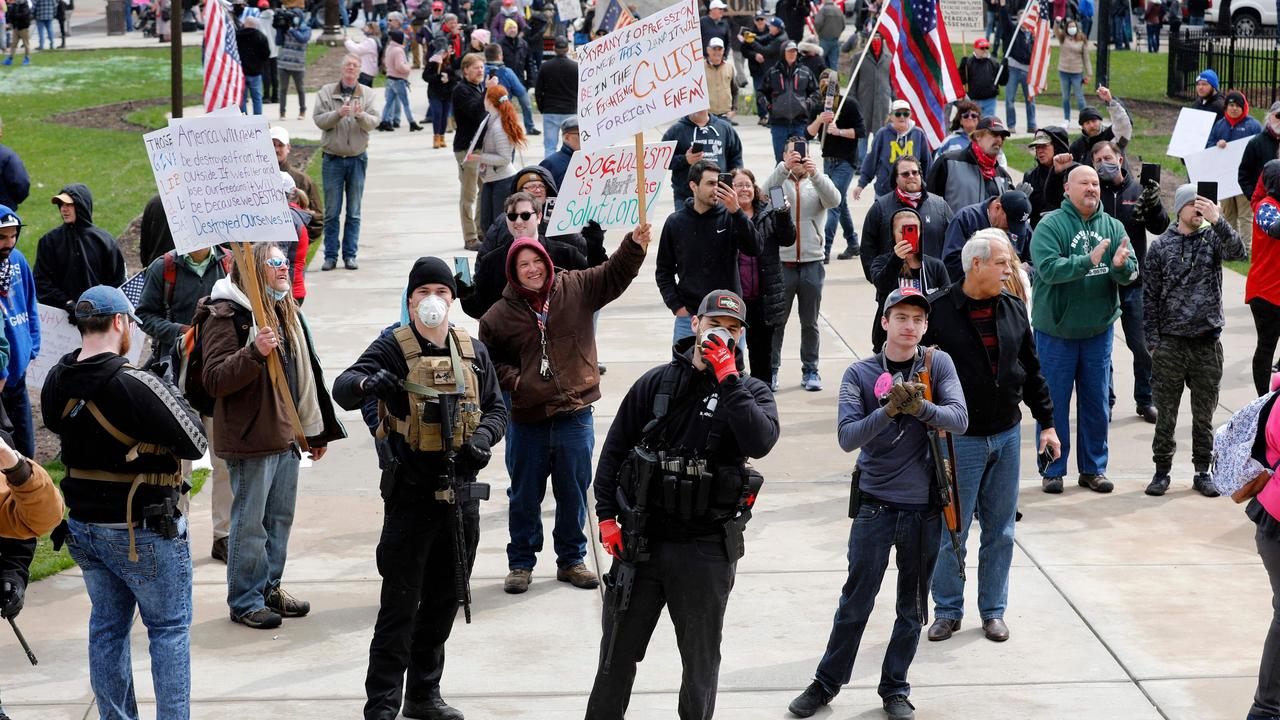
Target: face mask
277, 295
1108, 171
1071, 31
432, 311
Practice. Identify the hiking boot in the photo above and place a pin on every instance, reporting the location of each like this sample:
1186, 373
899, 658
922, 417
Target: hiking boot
1159, 484
1148, 413
813, 697
518, 581
414, 127
1096, 483
287, 605
578, 576
943, 629
1052, 484
1203, 484
329, 264
811, 382
219, 551
260, 619
849, 254
899, 708
351, 264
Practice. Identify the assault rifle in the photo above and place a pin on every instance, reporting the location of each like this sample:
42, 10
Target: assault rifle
456, 492
620, 580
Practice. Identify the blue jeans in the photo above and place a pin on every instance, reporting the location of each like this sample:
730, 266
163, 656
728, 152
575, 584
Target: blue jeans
559, 447
252, 91
875, 531
988, 107
527, 106
1083, 367
1086, 25
1072, 84
17, 403
438, 109
343, 177
682, 329
841, 173
780, 133
830, 52
43, 28
551, 131
158, 587
265, 491
1153, 38
1131, 321
1018, 78
987, 476
397, 98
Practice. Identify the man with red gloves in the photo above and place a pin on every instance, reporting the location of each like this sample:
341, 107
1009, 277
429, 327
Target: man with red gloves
673, 493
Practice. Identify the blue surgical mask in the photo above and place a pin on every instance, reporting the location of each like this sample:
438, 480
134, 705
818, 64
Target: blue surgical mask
277, 295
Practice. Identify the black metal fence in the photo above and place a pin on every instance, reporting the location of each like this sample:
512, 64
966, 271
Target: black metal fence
1248, 64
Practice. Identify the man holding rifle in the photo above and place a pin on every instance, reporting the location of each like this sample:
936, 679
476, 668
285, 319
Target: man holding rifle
894, 406
440, 413
673, 494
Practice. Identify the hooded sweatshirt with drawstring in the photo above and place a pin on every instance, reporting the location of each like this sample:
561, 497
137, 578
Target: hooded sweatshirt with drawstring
886, 146
810, 198
72, 258
1243, 127
720, 144
21, 311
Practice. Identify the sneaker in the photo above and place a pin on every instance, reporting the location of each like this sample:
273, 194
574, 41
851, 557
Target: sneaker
1203, 484
811, 382
1159, 484
329, 264
472, 244
826, 258
302, 115
813, 697
1052, 484
518, 581
773, 381
600, 368
287, 605
899, 707
1148, 413
7, 61
849, 254
219, 551
260, 619
26, 60
534, 131
1096, 483
351, 264
578, 576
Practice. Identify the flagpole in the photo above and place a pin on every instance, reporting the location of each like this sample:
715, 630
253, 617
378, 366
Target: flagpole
1017, 27
848, 88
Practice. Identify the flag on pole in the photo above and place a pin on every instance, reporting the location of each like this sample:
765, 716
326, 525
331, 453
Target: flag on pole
1036, 21
223, 75
814, 6
924, 70
616, 15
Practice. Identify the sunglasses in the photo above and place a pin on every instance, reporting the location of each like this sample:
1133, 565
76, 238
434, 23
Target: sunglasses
971, 115
902, 114
276, 262
909, 173
512, 216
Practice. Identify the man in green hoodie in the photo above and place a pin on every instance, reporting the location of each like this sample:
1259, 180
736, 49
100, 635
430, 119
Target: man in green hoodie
1081, 256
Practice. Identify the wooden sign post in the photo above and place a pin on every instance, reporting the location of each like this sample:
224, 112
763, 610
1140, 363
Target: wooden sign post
642, 197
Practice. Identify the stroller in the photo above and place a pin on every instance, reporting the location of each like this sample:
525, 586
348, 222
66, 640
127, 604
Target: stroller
147, 19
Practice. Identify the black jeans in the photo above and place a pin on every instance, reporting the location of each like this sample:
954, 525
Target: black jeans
271, 82
1266, 700
759, 341
693, 579
1266, 320
415, 560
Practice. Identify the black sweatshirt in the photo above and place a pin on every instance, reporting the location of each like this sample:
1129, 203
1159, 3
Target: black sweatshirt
702, 248
468, 112
744, 403
557, 87
73, 258
845, 148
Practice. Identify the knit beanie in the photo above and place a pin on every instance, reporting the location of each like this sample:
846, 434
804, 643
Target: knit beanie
430, 270
1182, 197
1210, 77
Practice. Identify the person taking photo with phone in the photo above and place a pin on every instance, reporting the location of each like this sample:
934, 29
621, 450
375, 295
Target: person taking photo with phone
701, 136
761, 275
906, 266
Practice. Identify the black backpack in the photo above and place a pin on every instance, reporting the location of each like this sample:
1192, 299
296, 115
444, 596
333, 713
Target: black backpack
19, 14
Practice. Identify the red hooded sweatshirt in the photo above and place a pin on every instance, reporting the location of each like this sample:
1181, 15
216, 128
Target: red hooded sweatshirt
537, 299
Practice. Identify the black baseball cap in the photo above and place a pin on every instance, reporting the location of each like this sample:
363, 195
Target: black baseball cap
908, 295
723, 303
1017, 208
992, 124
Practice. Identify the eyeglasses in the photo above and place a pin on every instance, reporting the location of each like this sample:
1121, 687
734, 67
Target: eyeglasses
532, 184
909, 173
902, 113
276, 262
971, 115
512, 216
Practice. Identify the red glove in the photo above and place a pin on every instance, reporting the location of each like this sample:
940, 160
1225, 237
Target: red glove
611, 537
719, 357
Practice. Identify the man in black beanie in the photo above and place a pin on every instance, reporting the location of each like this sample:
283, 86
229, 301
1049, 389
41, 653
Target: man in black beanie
412, 370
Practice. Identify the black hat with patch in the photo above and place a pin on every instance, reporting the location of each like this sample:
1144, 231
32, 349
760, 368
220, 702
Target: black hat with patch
723, 303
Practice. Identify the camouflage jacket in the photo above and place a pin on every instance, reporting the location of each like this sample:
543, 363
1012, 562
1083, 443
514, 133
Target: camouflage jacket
1182, 291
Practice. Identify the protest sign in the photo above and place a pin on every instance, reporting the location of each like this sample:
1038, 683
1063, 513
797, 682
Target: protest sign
1191, 132
232, 180
1219, 165
640, 75
59, 337
568, 10
601, 186
173, 196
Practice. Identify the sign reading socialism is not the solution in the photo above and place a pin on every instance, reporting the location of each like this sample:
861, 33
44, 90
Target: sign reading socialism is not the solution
640, 75
601, 186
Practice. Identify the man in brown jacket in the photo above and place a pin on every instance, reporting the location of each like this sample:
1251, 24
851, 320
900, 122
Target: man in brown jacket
252, 430
548, 365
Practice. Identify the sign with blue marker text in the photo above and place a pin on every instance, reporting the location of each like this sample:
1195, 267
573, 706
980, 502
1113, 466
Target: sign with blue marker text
601, 186
642, 74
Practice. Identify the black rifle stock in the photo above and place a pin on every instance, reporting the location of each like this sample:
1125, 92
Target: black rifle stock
635, 546
451, 493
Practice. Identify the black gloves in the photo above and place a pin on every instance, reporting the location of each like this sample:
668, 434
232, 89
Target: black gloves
382, 385
12, 595
478, 450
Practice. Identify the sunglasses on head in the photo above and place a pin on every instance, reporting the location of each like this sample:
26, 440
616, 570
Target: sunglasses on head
276, 262
512, 216
902, 113
971, 115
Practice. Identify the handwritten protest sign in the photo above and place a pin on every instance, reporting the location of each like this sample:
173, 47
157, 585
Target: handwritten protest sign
568, 10
231, 180
59, 337
173, 196
1220, 165
640, 75
601, 186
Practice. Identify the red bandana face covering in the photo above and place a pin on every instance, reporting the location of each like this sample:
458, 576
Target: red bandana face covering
986, 165
910, 199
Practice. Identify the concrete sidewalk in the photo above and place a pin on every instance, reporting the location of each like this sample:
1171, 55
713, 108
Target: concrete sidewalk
1121, 606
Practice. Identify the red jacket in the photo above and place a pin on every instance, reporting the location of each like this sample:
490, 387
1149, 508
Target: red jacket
1264, 272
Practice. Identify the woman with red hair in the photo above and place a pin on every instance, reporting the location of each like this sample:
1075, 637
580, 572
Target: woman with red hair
503, 135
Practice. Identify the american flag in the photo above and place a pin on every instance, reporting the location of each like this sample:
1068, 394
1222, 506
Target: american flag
814, 6
616, 15
1036, 21
223, 75
924, 70
132, 288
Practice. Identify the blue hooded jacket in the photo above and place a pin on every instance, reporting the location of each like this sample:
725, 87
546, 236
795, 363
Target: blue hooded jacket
21, 313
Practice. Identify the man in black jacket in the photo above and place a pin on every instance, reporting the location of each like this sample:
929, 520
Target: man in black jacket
468, 113
416, 553
978, 73
77, 255
700, 244
988, 335
1263, 147
704, 415
123, 433
1008, 213
791, 92
1048, 178
968, 175
910, 192
254, 56
557, 93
